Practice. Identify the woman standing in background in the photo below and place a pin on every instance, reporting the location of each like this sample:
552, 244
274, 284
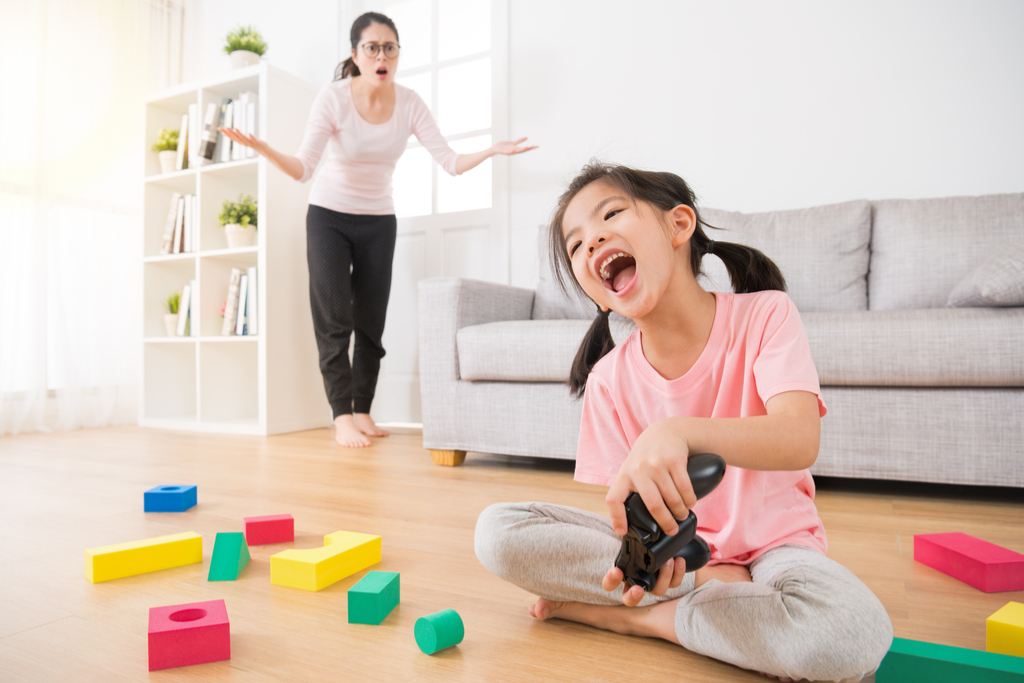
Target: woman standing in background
351, 225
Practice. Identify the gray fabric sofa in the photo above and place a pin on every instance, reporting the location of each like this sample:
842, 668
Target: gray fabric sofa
916, 389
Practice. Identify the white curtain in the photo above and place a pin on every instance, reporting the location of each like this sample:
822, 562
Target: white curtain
73, 76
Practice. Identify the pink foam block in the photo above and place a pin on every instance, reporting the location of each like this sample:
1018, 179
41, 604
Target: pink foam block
986, 566
269, 529
193, 633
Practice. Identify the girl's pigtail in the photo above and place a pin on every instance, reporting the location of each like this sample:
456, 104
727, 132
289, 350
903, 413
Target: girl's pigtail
596, 344
749, 269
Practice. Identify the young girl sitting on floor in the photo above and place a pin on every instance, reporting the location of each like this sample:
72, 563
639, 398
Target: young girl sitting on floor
703, 373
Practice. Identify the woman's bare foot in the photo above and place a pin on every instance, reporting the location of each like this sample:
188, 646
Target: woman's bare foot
364, 423
346, 433
653, 621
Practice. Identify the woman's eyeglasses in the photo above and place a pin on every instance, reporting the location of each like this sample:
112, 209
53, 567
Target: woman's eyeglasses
390, 49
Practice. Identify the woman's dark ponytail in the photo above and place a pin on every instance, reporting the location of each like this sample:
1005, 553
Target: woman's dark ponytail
596, 344
749, 269
355, 34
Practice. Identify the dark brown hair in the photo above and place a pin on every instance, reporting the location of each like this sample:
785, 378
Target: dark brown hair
348, 67
749, 269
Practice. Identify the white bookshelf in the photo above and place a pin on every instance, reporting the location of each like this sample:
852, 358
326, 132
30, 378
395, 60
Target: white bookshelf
267, 383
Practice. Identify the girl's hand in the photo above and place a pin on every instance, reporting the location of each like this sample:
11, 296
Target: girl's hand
516, 147
656, 469
248, 140
669, 576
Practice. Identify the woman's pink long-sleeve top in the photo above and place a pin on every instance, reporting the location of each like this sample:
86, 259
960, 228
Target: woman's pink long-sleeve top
356, 177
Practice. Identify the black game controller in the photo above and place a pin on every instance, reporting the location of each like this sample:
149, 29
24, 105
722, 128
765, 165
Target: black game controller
645, 547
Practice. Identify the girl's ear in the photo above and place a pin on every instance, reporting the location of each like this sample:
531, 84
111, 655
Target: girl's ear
683, 221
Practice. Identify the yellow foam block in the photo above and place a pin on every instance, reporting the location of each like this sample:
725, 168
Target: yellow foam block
1004, 630
138, 557
344, 553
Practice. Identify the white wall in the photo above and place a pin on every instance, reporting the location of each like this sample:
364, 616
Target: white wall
767, 105
302, 36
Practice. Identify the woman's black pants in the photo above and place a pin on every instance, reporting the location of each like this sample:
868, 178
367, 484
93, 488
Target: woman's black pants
349, 258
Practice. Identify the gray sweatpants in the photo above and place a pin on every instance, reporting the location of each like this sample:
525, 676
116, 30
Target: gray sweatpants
804, 616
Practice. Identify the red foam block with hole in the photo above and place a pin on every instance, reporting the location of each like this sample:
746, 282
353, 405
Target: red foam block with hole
193, 633
986, 566
269, 529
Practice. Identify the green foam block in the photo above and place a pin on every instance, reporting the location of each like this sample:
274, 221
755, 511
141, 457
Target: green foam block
914, 661
230, 555
437, 631
373, 598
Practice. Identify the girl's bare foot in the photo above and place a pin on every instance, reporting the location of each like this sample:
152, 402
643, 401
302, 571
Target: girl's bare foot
364, 423
653, 621
346, 433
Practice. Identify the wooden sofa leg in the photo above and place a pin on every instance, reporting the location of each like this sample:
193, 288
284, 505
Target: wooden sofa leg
447, 458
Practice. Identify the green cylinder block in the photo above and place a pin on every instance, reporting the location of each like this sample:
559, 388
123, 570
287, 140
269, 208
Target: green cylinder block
437, 631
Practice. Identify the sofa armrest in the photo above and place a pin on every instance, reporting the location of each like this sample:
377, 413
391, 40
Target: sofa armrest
445, 306
449, 304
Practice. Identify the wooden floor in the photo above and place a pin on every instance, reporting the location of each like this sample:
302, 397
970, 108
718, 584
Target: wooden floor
65, 492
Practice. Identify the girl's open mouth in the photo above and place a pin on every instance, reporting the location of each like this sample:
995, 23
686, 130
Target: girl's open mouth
617, 270
382, 71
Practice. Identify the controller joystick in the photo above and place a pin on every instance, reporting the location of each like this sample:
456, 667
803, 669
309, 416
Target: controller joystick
645, 547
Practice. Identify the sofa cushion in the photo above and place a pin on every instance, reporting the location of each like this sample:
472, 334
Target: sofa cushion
921, 248
939, 347
999, 281
525, 350
822, 251
550, 303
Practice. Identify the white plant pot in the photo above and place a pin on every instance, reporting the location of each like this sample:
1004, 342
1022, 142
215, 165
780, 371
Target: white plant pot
243, 58
239, 237
168, 160
171, 324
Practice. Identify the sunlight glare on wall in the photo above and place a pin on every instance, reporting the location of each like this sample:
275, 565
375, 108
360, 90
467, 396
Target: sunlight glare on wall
413, 192
413, 21
464, 27
464, 97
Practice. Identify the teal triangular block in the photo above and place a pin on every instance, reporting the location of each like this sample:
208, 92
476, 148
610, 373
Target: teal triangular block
230, 555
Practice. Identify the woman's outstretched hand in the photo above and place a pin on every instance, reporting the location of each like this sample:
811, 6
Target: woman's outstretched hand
656, 469
669, 576
248, 140
289, 164
509, 147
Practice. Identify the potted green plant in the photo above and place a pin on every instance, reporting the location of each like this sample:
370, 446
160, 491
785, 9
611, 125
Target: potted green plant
239, 221
245, 45
166, 148
171, 317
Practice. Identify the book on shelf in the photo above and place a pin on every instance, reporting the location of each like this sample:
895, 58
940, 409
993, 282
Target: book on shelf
183, 305
250, 125
238, 149
179, 163
179, 217
229, 122
186, 230
251, 317
193, 312
240, 314
223, 121
208, 140
172, 214
192, 152
231, 305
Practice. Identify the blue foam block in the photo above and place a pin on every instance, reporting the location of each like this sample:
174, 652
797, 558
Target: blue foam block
170, 498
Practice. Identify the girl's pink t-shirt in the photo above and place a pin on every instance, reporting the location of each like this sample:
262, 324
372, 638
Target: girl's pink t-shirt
361, 156
757, 349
